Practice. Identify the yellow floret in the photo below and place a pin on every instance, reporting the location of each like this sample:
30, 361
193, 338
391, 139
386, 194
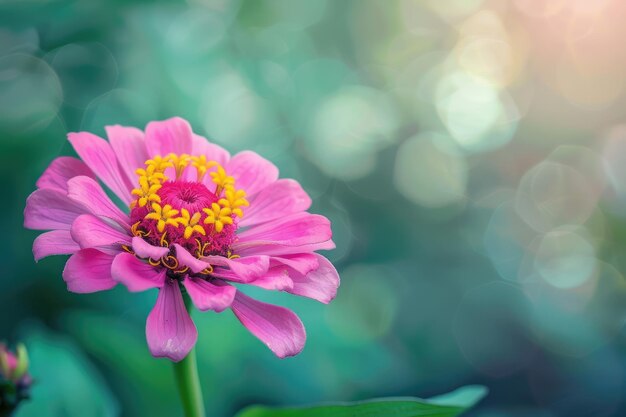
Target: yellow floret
202, 165
218, 216
190, 223
221, 179
146, 192
163, 215
153, 175
159, 163
179, 162
234, 199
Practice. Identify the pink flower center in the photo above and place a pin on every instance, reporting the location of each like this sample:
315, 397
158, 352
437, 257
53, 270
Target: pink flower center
192, 196
199, 215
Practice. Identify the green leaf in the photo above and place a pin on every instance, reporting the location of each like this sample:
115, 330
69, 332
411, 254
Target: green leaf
462, 397
448, 405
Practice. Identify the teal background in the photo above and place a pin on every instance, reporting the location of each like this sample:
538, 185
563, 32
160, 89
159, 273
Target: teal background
470, 154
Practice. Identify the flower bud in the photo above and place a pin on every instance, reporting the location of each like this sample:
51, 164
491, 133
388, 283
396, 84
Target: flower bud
15, 381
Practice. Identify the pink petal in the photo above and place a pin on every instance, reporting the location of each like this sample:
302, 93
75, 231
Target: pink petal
212, 151
207, 296
135, 274
50, 209
98, 155
88, 270
320, 284
55, 242
167, 136
252, 248
279, 328
277, 200
60, 171
87, 191
300, 262
145, 250
92, 232
169, 329
276, 279
298, 233
252, 172
243, 269
187, 259
130, 149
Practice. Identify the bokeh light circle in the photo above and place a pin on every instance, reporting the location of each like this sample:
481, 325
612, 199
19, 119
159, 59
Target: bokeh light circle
476, 114
430, 175
234, 114
552, 194
565, 259
30, 93
506, 241
349, 128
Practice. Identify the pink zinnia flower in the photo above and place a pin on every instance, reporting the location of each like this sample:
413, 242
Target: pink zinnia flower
196, 219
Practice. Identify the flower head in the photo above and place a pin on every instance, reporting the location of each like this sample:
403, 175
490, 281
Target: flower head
195, 219
15, 381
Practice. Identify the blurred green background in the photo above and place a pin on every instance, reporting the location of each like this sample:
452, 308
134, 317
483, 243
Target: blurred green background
471, 155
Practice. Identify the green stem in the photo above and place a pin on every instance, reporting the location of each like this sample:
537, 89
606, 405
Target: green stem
186, 372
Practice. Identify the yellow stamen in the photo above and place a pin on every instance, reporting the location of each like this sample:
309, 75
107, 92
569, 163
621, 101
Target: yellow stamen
221, 179
159, 163
201, 248
153, 175
218, 216
134, 230
170, 262
146, 192
163, 241
234, 199
207, 271
179, 162
163, 215
190, 223
202, 165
